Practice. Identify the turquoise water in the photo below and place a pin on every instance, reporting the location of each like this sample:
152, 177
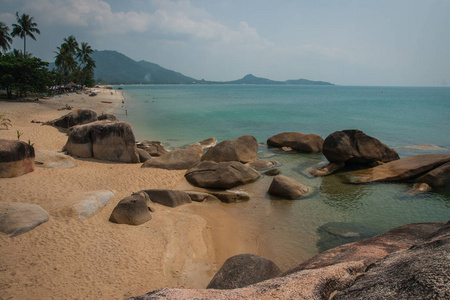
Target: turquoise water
290, 231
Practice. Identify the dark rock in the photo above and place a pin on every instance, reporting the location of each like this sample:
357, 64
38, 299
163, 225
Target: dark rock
437, 177
231, 197
272, 172
132, 210
298, 141
403, 169
179, 159
105, 140
19, 218
262, 164
243, 270
200, 196
243, 149
327, 170
421, 272
354, 146
287, 188
109, 117
16, 158
143, 155
154, 148
76, 117
222, 175
170, 198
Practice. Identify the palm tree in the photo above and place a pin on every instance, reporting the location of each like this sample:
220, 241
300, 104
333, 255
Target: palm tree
71, 44
25, 27
5, 38
83, 53
65, 62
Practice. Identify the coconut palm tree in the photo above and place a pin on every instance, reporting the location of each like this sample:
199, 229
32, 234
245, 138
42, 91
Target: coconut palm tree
71, 44
83, 53
65, 62
5, 37
25, 27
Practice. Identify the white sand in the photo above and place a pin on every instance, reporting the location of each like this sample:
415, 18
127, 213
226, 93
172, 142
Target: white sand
67, 258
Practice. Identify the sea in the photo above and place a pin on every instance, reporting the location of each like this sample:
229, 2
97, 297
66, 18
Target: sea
412, 120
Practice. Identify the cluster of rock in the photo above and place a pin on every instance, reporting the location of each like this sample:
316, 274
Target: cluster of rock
408, 262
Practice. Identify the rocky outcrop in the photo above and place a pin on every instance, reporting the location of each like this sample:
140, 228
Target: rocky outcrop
336, 270
298, 141
409, 168
170, 198
103, 140
222, 175
19, 218
179, 159
91, 204
354, 146
16, 158
287, 188
437, 177
133, 210
76, 117
243, 149
154, 148
243, 270
54, 160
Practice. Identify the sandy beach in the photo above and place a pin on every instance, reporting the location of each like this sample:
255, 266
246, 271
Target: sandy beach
68, 258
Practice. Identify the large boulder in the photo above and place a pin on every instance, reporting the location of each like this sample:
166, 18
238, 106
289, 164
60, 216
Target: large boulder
301, 142
54, 160
18, 218
354, 146
242, 149
16, 158
170, 198
407, 168
243, 270
287, 188
133, 210
437, 177
104, 140
179, 159
76, 117
222, 175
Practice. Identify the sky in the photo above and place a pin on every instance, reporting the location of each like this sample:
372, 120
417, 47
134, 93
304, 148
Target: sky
346, 42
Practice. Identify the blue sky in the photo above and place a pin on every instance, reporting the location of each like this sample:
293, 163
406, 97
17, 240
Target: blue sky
395, 42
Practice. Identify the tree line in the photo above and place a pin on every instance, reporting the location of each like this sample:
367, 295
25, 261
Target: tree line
22, 73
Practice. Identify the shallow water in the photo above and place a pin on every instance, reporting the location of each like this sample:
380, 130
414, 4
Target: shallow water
289, 232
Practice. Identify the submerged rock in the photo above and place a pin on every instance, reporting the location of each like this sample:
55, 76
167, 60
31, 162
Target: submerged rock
288, 188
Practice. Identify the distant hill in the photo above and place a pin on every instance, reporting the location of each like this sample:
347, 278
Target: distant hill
250, 79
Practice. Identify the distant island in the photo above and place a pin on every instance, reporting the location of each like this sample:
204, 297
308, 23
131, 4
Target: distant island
116, 68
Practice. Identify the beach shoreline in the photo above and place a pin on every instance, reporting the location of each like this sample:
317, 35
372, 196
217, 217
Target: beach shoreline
68, 258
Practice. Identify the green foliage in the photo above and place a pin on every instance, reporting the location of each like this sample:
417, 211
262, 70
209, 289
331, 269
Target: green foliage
5, 37
19, 134
4, 121
24, 27
30, 143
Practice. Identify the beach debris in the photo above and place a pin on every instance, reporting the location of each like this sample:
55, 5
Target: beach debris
222, 175
170, 198
133, 210
242, 149
242, 270
301, 142
179, 159
19, 218
16, 158
287, 188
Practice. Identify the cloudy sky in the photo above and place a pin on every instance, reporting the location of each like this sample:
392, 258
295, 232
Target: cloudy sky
347, 42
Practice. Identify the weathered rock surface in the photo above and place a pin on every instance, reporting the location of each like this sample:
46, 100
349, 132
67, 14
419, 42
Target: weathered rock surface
242, 149
200, 196
19, 218
208, 143
133, 210
262, 164
243, 270
437, 177
287, 188
403, 169
76, 117
92, 203
179, 159
54, 160
16, 158
170, 198
325, 273
354, 146
222, 175
272, 172
327, 170
143, 155
231, 197
298, 141
104, 140
154, 148
109, 117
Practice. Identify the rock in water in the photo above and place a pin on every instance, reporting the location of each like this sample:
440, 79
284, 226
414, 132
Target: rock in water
19, 218
179, 159
354, 146
132, 210
16, 158
243, 149
104, 140
76, 117
437, 177
222, 175
287, 188
243, 270
301, 142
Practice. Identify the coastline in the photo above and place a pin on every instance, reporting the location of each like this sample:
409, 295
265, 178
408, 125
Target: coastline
94, 258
